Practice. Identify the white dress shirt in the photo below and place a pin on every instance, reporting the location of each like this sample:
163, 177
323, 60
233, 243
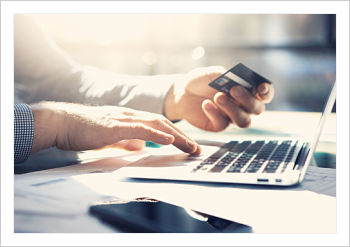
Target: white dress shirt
43, 71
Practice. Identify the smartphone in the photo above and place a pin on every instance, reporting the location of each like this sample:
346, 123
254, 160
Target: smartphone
160, 217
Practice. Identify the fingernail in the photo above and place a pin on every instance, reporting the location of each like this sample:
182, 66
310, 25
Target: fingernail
191, 144
209, 107
199, 149
222, 100
263, 89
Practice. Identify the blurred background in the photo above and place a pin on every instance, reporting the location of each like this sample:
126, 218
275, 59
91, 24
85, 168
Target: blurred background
296, 52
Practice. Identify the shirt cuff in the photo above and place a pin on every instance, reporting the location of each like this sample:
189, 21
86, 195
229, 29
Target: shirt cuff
150, 95
24, 132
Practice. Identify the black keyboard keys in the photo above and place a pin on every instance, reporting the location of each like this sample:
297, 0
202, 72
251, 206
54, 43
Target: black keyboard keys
238, 155
215, 156
255, 165
281, 151
289, 157
230, 156
246, 157
272, 166
263, 155
277, 157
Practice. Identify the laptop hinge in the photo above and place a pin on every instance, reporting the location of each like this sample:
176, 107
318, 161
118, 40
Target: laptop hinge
300, 160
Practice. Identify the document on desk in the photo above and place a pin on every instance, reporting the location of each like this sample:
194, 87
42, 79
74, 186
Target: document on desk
265, 209
308, 208
57, 205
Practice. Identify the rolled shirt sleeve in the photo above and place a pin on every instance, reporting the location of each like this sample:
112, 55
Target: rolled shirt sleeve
23, 132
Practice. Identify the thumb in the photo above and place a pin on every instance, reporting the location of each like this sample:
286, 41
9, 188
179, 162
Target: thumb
265, 92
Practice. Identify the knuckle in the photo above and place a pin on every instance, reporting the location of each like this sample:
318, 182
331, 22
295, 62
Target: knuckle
139, 129
143, 130
148, 135
137, 126
161, 117
167, 121
157, 122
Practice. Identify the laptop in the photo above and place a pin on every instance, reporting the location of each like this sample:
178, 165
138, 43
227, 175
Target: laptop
271, 161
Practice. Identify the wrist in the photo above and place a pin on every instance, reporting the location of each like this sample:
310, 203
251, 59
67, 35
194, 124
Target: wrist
46, 124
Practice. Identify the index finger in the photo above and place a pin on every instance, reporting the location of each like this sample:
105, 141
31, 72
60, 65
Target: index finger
182, 134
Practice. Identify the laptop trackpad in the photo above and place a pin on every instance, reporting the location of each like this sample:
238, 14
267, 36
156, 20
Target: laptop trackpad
165, 160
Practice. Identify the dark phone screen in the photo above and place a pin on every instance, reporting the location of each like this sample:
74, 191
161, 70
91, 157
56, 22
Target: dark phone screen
146, 216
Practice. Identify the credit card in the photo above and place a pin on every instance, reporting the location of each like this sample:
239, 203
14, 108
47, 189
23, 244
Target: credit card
238, 75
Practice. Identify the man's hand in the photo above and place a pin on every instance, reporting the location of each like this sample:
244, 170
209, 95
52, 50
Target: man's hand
79, 127
204, 107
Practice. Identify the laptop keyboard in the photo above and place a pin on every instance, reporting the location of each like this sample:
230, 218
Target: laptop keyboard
250, 157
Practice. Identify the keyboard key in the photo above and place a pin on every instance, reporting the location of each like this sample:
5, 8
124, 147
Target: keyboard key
252, 170
240, 147
254, 148
255, 165
234, 169
246, 156
291, 154
217, 168
269, 170
272, 166
266, 151
281, 152
230, 144
223, 163
218, 154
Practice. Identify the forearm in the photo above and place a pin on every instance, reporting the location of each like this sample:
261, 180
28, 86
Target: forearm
45, 72
90, 85
145, 93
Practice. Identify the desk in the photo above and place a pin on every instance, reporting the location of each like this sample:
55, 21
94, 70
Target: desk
40, 205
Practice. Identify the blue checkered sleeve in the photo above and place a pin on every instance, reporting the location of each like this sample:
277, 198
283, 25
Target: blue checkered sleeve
24, 132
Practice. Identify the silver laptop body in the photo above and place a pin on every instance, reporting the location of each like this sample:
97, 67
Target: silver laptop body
275, 161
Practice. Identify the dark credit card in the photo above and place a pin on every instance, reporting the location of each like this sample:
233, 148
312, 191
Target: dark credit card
238, 75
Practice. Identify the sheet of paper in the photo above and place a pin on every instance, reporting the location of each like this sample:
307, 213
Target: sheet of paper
265, 210
58, 205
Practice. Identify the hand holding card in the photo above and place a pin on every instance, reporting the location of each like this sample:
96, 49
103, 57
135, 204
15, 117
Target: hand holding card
191, 98
239, 75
